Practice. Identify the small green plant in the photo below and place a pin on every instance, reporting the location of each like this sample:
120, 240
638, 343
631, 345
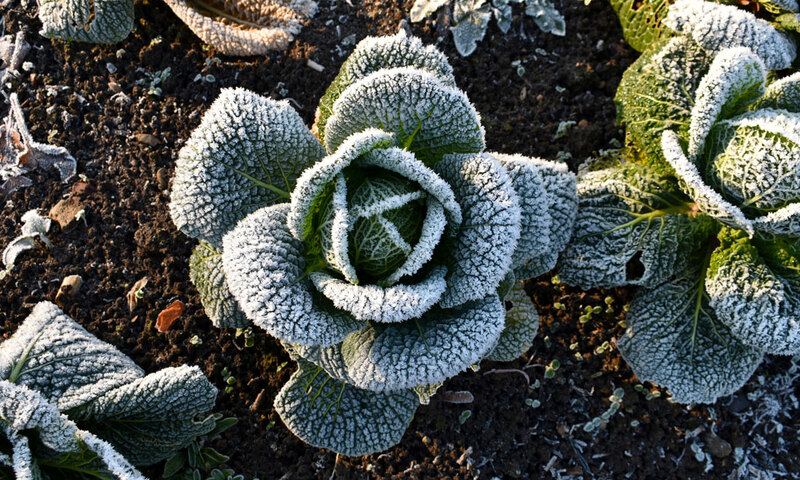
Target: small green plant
616, 402
198, 461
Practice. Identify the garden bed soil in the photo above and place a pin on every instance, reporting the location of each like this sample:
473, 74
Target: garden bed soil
524, 84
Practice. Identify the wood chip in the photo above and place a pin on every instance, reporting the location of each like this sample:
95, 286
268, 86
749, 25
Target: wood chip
168, 316
69, 287
259, 401
133, 293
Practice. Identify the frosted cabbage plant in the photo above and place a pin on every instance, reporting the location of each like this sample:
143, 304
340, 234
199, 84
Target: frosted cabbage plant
471, 18
72, 406
379, 254
705, 217
233, 27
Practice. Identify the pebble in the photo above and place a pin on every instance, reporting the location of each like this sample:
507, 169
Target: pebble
162, 176
69, 287
111, 68
147, 139
259, 401
717, 446
114, 87
66, 212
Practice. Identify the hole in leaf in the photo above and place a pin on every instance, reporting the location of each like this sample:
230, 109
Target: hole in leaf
634, 268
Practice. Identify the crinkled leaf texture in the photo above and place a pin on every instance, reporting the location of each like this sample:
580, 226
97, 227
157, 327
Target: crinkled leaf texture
657, 92
675, 340
205, 271
753, 288
522, 323
470, 21
247, 153
641, 23
36, 430
380, 53
244, 27
716, 27
96, 21
783, 94
631, 229
147, 418
332, 414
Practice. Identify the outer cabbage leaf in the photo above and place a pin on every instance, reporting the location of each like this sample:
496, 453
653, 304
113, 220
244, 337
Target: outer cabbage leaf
522, 323
641, 24
736, 78
425, 116
707, 200
150, 419
716, 27
332, 414
205, 270
753, 288
674, 340
247, 153
266, 272
548, 206
97, 21
53, 355
482, 249
783, 94
657, 92
378, 53
754, 159
632, 228
25, 413
784, 222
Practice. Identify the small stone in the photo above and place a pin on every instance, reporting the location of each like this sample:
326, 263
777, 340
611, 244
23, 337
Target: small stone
717, 446
66, 212
147, 139
459, 397
168, 316
259, 401
162, 176
114, 87
112, 69
69, 287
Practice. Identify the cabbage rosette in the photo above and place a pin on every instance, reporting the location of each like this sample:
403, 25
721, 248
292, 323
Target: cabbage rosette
386, 252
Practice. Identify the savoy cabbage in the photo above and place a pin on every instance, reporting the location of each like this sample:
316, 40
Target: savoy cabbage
379, 251
703, 208
72, 405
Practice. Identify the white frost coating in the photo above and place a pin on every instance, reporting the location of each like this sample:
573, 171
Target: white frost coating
761, 307
483, 247
394, 235
205, 271
784, 222
696, 358
522, 323
386, 204
64, 362
246, 27
425, 116
736, 78
265, 268
432, 229
716, 27
246, 153
470, 21
334, 237
756, 158
98, 21
348, 420
406, 165
708, 201
383, 304
783, 94
311, 183
116, 463
34, 227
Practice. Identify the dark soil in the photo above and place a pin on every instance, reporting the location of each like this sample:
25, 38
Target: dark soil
522, 425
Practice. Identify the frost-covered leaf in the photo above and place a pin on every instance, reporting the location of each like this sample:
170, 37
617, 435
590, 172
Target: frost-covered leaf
244, 27
482, 249
383, 304
641, 21
53, 355
522, 323
331, 414
753, 288
266, 272
423, 8
425, 116
96, 21
632, 228
754, 159
546, 17
470, 21
377, 53
707, 199
784, 222
783, 94
548, 206
20, 154
246, 154
205, 270
675, 340
657, 92
151, 418
34, 228
717, 27
13, 49
430, 349
736, 78
789, 21
503, 14
778, 6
